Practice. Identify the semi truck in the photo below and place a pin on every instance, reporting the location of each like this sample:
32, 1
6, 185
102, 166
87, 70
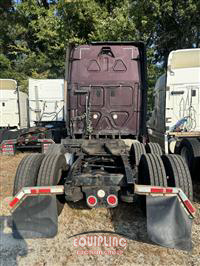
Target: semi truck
105, 160
46, 101
13, 105
34, 121
175, 121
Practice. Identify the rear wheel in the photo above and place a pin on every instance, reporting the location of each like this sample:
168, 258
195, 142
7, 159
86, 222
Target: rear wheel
27, 172
50, 174
151, 172
153, 148
56, 148
137, 150
178, 174
189, 149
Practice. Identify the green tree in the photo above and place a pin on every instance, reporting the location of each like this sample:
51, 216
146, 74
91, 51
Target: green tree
30, 45
34, 33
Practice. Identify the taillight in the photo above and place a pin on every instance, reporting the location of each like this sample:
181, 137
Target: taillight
91, 201
112, 200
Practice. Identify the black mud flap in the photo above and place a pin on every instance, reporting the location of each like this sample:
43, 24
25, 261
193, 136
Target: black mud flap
36, 217
168, 224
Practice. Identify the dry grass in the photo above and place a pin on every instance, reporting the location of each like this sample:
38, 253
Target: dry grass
8, 166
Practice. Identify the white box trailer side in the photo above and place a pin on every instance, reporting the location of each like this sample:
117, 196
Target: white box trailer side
46, 100
13, 105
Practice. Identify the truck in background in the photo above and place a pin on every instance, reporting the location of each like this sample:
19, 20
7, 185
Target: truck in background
40, 116
46, 101
13, 105
175, 121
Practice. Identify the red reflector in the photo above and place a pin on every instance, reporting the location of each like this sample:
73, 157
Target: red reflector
112, 200
169, 190
92, 200
13, 202
189, 206
157, 190
38, 191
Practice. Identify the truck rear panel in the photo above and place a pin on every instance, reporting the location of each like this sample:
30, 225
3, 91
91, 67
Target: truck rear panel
106, 80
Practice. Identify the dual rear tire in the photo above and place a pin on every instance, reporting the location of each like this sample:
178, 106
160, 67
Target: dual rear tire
41, 170
138, 149
165, 170
161, 170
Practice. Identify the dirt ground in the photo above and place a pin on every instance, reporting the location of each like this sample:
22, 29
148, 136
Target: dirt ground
125, 219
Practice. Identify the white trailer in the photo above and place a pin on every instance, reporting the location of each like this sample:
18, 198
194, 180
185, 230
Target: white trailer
175, 121
13, 105
46, 100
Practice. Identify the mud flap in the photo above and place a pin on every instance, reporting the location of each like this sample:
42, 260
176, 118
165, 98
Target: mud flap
36, 217
168, 224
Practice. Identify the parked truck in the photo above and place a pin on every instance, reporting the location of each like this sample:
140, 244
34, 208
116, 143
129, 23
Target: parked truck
13, 105
175, 121
34, 121
104, 159
46, 102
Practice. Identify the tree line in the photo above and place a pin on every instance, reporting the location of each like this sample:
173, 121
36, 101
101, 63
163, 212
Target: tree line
34, 33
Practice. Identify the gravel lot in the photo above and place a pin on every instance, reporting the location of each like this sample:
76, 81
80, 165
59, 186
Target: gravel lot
125, 219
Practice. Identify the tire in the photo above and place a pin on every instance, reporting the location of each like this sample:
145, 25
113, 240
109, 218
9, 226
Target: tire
27, 172
50, 174
56, 148
178, 174
153, 148
151, 171
189, 149
137, 150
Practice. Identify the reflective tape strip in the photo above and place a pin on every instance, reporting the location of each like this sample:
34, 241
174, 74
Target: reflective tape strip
17, 199
186, 202
169, 190
40, 191
14, 202
144, 189
182, 195
155, 190
32, 191
57, 189
189, 206
20, 195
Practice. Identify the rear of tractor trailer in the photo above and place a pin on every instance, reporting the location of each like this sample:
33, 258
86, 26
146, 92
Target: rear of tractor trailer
105, 159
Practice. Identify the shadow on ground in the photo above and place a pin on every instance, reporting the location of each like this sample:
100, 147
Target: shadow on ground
10, 248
